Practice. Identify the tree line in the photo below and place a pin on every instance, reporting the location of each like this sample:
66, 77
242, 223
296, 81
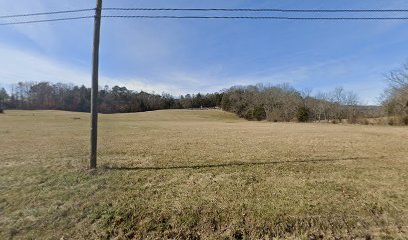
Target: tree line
395, 97
284, 103
259, 102
60, 96
253, 102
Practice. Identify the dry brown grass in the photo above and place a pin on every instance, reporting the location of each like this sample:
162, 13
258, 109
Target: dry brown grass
200, 174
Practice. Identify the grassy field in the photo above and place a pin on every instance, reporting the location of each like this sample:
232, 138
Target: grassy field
200, 175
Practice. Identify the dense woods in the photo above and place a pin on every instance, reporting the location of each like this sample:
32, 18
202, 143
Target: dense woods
59, 96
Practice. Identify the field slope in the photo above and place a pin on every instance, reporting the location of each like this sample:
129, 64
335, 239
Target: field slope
199, 175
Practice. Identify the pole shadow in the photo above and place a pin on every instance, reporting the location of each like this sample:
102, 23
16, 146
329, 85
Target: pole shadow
233, 164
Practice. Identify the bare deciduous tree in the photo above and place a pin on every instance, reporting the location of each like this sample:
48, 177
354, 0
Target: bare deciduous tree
395, 97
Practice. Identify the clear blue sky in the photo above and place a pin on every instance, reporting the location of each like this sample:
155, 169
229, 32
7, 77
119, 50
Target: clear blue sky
190, 56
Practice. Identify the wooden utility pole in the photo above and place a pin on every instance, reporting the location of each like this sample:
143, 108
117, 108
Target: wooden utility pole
94, 92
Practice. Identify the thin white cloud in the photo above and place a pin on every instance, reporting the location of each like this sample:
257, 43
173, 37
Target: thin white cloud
19, 65
42, 35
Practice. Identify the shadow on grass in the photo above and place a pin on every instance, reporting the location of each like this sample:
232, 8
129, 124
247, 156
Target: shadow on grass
233, 164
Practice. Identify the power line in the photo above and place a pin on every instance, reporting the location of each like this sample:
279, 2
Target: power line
198, 17
255, 17
212, 17
46, 20
47, 13
209, 9
258, 10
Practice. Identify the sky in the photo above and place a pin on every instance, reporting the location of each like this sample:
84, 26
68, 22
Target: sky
179, 56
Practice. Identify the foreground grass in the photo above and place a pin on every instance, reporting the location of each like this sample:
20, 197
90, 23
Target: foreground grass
199, 174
